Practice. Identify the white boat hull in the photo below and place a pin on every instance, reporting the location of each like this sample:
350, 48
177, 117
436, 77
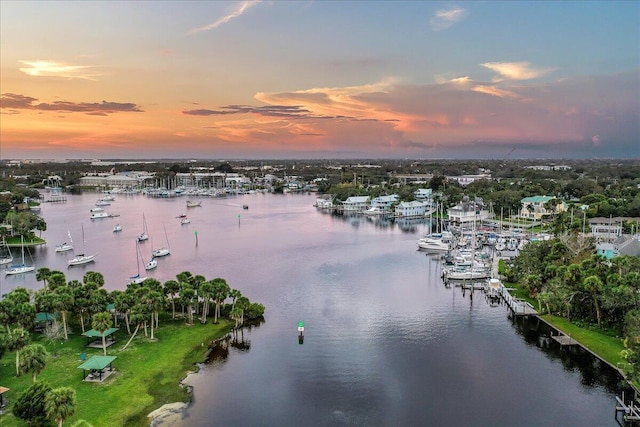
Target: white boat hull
81, 259
161, 252
64, 247
19, 269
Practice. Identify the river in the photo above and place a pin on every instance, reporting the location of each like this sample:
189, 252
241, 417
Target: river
385, 342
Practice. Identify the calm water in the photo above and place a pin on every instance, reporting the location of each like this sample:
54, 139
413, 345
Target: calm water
386, 344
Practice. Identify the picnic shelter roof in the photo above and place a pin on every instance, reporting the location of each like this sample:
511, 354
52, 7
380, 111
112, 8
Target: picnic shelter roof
92, 333
43, 317
97, 362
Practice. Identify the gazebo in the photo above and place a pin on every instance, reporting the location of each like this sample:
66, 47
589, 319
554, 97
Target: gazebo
3, 390
99, 368
43, 319
95, 337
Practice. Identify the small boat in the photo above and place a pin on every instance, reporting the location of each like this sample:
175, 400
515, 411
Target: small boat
182, 216
184, 221
245, 206
20, 268
81, 258
164, 251
99, 215
102, 203
137, 279
117, 228
96, 210
63, 247
193, 204
151, 264
144, 235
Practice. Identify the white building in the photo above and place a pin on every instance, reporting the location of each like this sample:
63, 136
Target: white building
384, 202
468, 179
423, 194
412, 209
355, 204
467, 212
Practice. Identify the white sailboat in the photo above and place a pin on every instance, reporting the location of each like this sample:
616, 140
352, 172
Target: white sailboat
7, 258
63, 247
137, 279
81, 258
144, 235
22, 267
164, 251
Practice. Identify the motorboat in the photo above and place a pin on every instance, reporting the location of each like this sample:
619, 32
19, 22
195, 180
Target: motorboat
99, 215
184, 221
433, 244
117, 228
193, 204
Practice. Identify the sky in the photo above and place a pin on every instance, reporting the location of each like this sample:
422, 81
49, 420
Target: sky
319, 79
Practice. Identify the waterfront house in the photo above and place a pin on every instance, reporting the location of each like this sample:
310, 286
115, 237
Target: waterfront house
538, 207
412, 209
355, 204
605, 229
468, 212
423, 194
384, 203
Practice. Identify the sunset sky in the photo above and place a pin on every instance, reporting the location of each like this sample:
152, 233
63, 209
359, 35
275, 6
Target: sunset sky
319, 79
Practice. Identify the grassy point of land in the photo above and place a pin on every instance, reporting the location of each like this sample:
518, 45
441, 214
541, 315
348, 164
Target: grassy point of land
147, 376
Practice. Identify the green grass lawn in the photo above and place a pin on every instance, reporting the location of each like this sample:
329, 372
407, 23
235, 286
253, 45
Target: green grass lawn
147, 373
605, 346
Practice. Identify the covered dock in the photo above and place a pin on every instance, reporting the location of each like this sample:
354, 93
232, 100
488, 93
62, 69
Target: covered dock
98, 368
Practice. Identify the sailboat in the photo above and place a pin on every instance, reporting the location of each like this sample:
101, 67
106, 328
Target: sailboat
6, 258
63, 247
137, 279
22, 267
144, 235
164, 251
81, 258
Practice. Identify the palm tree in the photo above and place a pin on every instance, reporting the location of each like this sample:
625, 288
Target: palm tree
221, 291
42, 275
93, 277
56, 279
205, 292
153, 303
243, 304
594, 287
171, 288
101, 322
63, 303
34, 360
137, 317
60, 404
18, 339
237, 314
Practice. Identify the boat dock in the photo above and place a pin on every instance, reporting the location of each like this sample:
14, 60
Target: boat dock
630, 411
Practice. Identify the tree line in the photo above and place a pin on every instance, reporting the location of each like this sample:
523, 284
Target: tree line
569, 280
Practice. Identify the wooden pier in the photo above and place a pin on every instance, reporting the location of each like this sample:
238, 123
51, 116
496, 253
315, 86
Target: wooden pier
564, 340
630, 411
517, 306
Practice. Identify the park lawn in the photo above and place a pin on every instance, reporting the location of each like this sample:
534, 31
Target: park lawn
147, 373
605, 346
